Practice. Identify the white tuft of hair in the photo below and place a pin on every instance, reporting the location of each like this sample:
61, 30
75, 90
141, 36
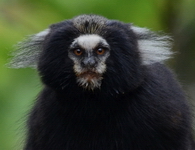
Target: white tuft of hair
28, 51
152, 47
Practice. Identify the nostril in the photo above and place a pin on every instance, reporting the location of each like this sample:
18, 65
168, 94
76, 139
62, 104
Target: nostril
83, 64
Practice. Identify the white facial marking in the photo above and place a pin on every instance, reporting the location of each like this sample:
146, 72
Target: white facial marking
89, 41
89, 78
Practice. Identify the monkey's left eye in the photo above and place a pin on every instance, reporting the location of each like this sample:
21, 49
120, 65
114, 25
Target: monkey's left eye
100, 51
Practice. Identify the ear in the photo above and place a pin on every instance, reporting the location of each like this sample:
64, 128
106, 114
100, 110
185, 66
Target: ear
152, 47
28, 51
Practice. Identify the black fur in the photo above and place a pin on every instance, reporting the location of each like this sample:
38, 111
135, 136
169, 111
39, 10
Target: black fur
138, 107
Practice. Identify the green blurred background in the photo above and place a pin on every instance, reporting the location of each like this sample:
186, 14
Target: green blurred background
19, 18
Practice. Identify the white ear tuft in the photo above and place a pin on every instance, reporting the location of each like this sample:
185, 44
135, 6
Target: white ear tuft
153, 48
28, 51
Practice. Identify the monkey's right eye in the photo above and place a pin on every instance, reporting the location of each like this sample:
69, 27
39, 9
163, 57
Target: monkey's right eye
78, 51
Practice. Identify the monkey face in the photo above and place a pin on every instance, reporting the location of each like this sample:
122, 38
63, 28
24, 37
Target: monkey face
89, 53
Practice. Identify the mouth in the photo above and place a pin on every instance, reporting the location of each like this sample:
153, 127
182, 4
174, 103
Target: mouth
89, 75
89, 79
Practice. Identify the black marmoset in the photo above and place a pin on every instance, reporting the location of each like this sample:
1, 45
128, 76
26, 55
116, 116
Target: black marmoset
105, 88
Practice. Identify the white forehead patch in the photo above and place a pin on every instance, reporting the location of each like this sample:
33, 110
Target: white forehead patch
89, 41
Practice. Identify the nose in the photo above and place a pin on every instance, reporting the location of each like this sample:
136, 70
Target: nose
88, 62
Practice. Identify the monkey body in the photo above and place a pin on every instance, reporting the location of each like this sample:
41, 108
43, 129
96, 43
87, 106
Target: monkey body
143, 119
105, 88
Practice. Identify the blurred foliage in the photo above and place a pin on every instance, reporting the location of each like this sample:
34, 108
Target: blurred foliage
18, 18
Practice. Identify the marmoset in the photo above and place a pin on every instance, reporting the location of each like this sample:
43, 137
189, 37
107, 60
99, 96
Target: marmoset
105, 87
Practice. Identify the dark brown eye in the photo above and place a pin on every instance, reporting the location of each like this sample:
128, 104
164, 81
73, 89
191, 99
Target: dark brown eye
100, 51
78, 52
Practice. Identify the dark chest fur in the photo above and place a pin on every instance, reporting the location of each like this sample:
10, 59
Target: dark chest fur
96, 122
